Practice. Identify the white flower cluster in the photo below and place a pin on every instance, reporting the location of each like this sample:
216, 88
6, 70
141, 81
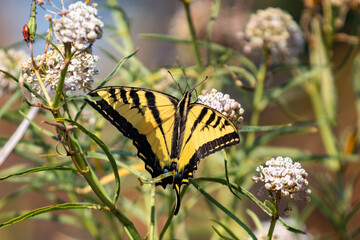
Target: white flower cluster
10, 61
283, 176
80, 74
275, 29
79, 24
222, 103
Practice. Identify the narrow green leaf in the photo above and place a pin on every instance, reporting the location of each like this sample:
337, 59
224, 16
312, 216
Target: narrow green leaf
240, 190
252, 198
221, 235
63, 206
39, 169
64, 219
267, 137
291, 229
290, 127
212, 46
225, 210
278, 91
256, 220
117, 67
227, 178
228, 230
104, 148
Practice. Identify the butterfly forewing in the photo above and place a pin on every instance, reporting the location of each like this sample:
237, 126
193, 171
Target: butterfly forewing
144, 116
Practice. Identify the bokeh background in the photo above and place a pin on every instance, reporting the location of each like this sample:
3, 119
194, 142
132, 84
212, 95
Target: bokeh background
167, 17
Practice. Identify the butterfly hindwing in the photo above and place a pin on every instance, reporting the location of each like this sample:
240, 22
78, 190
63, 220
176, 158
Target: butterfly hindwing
206, 132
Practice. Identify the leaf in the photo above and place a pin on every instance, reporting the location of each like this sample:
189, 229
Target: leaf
278, 91
63, 206
240, 190
291, 229
221, 235
246, 193
104, 148
39, 169
212, 46
225, 210
226, 229
117, 67
267, 137
256, 220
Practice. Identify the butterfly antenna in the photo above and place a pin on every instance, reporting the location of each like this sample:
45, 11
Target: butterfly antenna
200, 84
177, 84
185, 78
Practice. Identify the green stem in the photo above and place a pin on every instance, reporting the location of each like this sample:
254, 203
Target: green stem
324, 125
152, 212
193, 35
85, 169
274, 216
215, 9
271, 230
60, 86
95, 185
257, 103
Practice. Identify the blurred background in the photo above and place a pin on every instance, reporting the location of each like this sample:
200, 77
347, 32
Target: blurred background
168, 17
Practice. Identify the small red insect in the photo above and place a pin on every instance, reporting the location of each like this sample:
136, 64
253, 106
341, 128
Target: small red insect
26, 33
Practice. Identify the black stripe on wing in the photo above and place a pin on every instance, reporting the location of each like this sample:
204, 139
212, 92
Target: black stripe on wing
208, 148
139, 140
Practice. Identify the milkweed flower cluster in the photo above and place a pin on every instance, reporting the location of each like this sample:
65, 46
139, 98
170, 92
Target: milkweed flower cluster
224, 104
79, 24
281, 175
79, 77
275, 29
10, 61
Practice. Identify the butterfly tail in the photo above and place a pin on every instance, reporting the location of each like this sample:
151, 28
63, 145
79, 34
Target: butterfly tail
178, 199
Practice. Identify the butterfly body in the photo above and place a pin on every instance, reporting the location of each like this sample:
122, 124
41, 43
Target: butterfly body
171, 135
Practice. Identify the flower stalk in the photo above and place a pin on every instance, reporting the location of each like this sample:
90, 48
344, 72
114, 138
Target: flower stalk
193, 35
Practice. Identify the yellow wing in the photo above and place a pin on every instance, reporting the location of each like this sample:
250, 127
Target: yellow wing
146, 117
169, 134
207, 131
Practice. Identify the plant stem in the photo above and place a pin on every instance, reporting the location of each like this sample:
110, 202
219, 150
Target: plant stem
152, 212
89, 175
324, 126
259, 90
60, 86
193, 35
274, 217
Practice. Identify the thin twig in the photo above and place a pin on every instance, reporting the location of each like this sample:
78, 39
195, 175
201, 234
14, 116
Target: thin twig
18, 134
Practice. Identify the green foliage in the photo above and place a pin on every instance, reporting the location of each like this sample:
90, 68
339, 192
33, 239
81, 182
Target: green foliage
219, 203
